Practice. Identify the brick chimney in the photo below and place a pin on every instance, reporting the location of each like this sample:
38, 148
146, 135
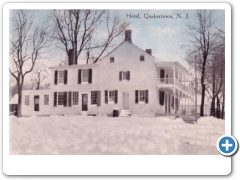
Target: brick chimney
149, 51
128, 35
71, 57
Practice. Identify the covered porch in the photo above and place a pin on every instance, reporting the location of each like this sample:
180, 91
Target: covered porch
173, 74
173, 101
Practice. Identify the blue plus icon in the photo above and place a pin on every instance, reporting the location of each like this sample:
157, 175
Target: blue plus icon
227, 145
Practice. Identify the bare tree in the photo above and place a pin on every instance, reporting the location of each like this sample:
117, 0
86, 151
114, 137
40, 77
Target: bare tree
215, 74
26, 45
75, 29
203, 42
40, 75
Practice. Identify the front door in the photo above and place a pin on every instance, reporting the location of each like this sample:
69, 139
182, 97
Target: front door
126, 100
84, 102
36, 103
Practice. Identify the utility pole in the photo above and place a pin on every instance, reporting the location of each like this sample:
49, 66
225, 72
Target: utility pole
195, 88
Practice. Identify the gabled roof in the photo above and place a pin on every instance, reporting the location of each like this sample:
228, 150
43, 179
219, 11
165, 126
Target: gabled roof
121, 44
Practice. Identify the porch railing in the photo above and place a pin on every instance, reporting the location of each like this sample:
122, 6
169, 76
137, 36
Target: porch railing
166, 81
170, 81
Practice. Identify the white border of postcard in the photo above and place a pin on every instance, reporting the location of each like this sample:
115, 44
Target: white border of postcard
114, 164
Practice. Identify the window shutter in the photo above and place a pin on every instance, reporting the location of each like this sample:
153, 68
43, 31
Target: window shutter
116, 97
65, 99
120, 76
129, 75
136, 96
56, 77
146, 96
176, 100
99, 98
69, 98
160, 97
65, 76
55, 99
106, 96
163, 97
79, 76
90, 76
172, 105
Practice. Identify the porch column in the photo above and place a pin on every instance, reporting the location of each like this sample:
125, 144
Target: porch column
174, 71
185, 96
174, 95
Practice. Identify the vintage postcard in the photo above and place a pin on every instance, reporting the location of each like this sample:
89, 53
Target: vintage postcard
101, 79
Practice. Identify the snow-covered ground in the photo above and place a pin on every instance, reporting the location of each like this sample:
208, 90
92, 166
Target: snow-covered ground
107, 135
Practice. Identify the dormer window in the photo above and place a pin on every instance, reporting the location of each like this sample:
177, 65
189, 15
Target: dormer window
141, 58
111, 59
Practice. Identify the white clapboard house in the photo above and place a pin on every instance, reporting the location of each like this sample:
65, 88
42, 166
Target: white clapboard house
128, 79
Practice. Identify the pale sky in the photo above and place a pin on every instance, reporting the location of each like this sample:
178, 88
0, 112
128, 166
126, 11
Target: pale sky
164, 36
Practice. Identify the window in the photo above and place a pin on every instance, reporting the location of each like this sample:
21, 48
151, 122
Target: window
60, 98
111, 59
26, 102
124, 75
60, 76
111, 97
75, 98
141, 96
141, 58
46, 99
85, 75
94, 97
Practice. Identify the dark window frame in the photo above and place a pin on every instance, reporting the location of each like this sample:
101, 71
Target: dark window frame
112, 60
142, 58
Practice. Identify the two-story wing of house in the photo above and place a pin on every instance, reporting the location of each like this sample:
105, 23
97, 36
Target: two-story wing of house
128, 79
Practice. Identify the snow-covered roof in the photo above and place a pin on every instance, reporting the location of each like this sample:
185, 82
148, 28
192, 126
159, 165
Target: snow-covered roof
14, 100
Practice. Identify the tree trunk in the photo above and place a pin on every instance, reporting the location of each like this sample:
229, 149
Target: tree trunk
202, 100
218, 107
203, 84
223, 106
213, 107
19, 109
